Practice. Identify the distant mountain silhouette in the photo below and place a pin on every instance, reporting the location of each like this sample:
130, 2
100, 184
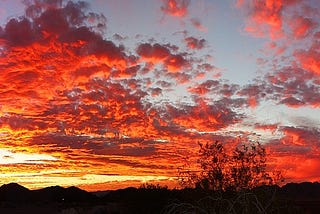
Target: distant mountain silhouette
15, 198
301, 191
16, 193
60, 194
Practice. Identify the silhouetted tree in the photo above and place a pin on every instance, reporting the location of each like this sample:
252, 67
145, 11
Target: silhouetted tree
242, 168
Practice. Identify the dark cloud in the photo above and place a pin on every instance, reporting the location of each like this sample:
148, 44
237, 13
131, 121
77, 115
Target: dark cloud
19, 32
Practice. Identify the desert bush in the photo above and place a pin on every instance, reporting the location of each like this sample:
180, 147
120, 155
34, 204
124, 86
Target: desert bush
244, 167
232, 180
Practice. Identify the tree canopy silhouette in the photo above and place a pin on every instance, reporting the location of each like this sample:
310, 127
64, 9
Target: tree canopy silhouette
244, 167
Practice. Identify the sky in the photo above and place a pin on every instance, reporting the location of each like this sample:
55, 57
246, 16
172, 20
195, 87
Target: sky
106, 94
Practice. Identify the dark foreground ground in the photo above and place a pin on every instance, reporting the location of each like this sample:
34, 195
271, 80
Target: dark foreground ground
291, 198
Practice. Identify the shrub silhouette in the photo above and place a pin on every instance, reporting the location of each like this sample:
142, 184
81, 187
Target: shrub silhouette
232, 180
242, 168
151, 186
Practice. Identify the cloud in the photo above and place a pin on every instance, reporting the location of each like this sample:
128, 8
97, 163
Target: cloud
294, 87
205, 117
157, 53
300, 136
264, 17
270, 127
301, 26
197, 24
291, 27
308, 58
195, 43
253, 93
296, 153
154, 53
217, 87
272, 19
19, 32
177, 8
68, 92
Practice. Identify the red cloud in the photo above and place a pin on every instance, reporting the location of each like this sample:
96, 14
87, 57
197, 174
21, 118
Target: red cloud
292, 26
301, 136
301, 26
296, 153
292, 102
197, 24
195, 43
177, 8
154, 53
290, 86
253, 93
205, 117
265, 18
175, 63
309, 59
205, 87
160, 54
68, 92
270, 127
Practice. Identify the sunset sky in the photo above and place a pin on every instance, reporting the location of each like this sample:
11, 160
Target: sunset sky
106, 94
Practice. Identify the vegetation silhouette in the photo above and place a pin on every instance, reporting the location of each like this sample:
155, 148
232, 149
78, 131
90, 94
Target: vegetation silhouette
244, 167
234, 180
